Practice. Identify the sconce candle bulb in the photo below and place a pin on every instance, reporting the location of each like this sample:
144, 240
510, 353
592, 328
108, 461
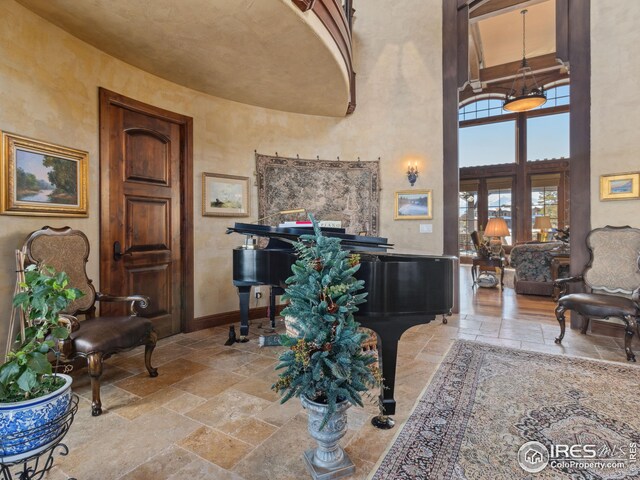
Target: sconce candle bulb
412, 172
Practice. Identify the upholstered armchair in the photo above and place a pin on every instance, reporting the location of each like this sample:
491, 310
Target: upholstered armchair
96, 338
532, 263
613, 280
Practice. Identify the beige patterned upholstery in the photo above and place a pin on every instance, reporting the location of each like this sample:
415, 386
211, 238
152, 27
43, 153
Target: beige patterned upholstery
68, 253
614, 265
95, 338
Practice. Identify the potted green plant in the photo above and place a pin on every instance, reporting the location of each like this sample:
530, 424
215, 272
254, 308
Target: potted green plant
32, 394
324, 364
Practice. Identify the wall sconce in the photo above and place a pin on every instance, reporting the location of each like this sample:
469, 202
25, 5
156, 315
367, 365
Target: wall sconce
412, 172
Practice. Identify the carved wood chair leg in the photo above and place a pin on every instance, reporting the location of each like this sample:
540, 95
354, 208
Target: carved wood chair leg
628, 336
585, 325
148, 351
560, 309
94, 365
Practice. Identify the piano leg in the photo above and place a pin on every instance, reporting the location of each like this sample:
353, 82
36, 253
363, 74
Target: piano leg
275, 291
387, 357
244, 292
389, 330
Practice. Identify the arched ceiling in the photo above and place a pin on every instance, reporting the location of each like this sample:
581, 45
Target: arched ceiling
259, 52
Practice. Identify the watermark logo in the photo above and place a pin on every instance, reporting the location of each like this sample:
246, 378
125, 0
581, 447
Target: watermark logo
533, 457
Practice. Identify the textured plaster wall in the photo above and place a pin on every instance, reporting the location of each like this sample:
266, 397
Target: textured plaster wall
615, 105
49, 90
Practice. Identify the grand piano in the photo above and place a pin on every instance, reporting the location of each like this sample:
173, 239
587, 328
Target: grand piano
404, 290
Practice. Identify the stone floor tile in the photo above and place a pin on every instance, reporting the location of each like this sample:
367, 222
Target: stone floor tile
169, 374
249, 430
176, 463
126, 447
499, 341
208, 382
248, 434
278, 414
184, 403
258, 387
292, 438
216, 447
228, 406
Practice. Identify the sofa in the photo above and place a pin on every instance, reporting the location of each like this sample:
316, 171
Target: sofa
532, 263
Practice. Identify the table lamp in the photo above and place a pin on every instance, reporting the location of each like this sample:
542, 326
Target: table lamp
543, 224
496, 229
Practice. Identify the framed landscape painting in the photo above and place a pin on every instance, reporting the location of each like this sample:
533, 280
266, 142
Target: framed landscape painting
413, 205
225, 195
42, 179
620, 187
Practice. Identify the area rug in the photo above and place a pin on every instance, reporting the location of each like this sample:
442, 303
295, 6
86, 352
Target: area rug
485, 402
348, 192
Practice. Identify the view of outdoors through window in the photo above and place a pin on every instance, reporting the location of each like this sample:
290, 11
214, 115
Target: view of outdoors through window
491, 142
467, 220
500, 206
488, 144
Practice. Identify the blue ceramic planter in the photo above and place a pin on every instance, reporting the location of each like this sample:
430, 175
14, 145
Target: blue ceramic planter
30, 426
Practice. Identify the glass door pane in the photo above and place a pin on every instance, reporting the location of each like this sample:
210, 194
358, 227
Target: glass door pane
467, 221
544, 199
500, 202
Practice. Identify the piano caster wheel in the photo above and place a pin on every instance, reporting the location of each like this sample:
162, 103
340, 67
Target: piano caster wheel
444, 320
243, 339
383, 422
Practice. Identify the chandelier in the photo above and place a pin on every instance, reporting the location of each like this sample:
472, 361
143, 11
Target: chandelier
525, 94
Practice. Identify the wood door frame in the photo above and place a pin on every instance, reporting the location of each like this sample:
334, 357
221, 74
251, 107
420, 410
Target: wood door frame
573, 46
108, 98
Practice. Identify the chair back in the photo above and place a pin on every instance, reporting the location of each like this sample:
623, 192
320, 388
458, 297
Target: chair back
66, 250
614, 266
477, 244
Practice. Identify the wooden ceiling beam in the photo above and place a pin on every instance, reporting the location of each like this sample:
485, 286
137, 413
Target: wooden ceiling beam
500, 88
482, 10
508, 70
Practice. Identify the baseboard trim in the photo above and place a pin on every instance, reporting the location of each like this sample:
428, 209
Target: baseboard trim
601, 327
225, 318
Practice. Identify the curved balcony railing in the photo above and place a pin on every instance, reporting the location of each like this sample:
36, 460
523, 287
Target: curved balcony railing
337, 17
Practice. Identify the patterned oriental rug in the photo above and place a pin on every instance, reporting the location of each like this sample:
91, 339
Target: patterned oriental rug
485, 402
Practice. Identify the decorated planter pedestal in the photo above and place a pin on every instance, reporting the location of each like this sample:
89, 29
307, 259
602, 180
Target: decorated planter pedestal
329, 460
30, 426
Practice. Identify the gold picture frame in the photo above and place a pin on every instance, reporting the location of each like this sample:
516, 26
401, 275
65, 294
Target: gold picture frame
225, 195
413, 205
621, 186
42, 179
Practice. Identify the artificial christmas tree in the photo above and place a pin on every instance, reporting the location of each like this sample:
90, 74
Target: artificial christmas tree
325, 364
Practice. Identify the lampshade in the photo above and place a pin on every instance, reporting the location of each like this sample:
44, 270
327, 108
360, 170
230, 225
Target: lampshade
496, 227
542, 223
525, 103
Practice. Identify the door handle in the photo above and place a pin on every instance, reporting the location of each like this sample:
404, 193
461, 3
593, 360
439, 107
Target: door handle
117, 251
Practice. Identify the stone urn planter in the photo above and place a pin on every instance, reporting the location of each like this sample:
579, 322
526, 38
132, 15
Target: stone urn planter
30, 426
328, 460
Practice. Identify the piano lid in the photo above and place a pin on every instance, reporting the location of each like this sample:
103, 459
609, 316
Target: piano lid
294, 233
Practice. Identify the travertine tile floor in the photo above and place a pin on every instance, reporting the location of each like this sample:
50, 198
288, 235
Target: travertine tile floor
210, 414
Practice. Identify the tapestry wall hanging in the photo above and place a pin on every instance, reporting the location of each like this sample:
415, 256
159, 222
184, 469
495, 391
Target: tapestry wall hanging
329, 189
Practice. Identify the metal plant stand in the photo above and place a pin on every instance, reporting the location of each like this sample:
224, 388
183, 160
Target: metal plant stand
35, 467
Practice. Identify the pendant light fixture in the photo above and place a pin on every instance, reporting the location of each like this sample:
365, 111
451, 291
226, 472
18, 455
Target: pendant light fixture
525, 94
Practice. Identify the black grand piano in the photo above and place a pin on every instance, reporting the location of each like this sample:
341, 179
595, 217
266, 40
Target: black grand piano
404, 290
